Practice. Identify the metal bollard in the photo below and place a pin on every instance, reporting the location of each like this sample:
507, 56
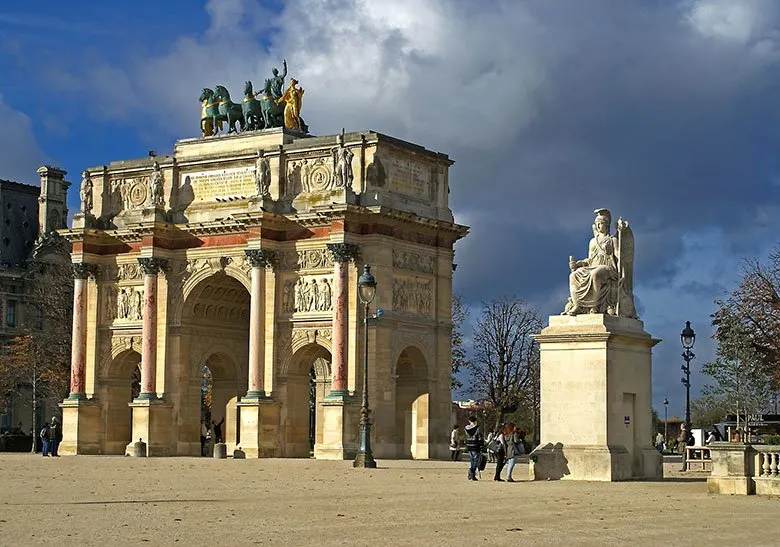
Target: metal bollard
139, 448
220, 450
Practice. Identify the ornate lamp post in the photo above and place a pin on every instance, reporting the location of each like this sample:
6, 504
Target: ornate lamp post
687, 337
666, 421
366, 291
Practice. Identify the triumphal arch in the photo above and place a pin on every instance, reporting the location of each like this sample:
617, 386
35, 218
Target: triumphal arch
240, 253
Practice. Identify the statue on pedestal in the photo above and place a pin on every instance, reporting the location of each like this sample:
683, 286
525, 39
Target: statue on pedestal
156, 186
86, 193
603, 282
262, 175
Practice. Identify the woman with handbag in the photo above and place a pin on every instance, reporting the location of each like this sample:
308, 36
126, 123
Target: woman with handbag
515, 447
498, 447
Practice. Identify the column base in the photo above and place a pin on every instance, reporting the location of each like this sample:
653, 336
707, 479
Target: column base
340, 429
152, 424
364, 460
80, 426
260, 427
593, 463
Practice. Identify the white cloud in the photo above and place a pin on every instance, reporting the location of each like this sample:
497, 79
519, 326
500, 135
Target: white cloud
20, 155
750, 23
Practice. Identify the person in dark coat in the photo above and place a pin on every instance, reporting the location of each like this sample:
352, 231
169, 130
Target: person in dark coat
474, 441
55, 436
218, 430
44, 434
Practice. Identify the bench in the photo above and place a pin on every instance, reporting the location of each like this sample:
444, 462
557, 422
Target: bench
698, 458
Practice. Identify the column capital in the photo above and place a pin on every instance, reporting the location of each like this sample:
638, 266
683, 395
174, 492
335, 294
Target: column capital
261, 258
344, 252
153, 265
83, 270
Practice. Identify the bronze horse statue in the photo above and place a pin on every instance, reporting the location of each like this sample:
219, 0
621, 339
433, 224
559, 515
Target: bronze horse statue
251, 109
210, 121
231, 111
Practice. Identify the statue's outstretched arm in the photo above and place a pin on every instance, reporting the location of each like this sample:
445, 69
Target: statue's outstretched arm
284, 68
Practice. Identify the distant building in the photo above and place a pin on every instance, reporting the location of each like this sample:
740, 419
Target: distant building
29, 218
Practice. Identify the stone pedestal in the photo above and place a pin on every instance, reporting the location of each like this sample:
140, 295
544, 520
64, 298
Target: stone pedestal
152, 424
733, 469
340, 428
596, 409
80, 427
260, 427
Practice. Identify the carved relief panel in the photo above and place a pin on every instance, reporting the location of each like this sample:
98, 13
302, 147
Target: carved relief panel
415, 262
306, 260
413, 295
307, 294
122, 294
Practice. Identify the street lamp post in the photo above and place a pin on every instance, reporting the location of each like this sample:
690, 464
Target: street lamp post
666, 421
366, 292
687, 337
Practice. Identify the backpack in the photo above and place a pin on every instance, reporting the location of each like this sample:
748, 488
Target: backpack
482, 462
44, 433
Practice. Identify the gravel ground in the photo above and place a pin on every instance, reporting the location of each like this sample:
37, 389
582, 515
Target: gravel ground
88, 500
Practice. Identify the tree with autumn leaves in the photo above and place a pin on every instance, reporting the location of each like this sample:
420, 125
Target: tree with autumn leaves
746, 370
36, 364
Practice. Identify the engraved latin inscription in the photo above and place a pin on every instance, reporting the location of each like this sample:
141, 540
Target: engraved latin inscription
221, 183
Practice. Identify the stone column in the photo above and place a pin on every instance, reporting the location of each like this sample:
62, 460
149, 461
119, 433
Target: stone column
78, 362
260, 259
151, 267
343, 254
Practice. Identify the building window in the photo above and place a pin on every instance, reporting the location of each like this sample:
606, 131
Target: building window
10, 314
38, 317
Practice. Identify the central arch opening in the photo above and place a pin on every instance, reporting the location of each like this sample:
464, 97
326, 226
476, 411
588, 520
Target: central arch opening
215, 340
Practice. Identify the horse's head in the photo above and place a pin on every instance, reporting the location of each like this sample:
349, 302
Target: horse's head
221, 93
206, 94
248, 91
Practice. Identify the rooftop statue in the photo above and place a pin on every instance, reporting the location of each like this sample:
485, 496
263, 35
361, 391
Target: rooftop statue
603, 282
293, 101
263, 109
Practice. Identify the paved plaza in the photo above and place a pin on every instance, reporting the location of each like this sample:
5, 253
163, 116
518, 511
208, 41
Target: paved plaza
198, 501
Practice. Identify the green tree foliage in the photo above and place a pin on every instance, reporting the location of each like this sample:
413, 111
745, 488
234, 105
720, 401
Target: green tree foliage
505, 356
739, 370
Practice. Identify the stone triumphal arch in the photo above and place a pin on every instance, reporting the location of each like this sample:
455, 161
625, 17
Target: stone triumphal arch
237, 257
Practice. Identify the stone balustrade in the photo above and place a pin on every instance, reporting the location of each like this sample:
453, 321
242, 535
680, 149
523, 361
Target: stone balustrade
744, 469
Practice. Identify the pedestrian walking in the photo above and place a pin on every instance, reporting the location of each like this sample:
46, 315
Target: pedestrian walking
683, 440
515, 447
455, 443
498, 446
474, 441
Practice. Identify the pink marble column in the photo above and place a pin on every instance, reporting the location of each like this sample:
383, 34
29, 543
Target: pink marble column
343, 254
260, 259
151, 268
78, 363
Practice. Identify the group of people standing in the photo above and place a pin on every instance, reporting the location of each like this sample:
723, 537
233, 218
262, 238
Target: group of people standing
51, 436
505, 446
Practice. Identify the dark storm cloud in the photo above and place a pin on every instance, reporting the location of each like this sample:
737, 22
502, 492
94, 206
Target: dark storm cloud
664, 112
